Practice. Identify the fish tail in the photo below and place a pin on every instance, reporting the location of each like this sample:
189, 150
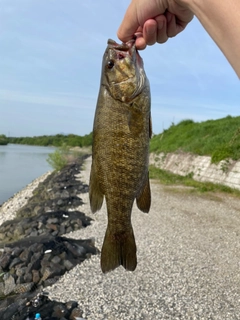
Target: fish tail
118, 249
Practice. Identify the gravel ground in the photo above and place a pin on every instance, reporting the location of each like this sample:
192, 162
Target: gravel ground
9, 208
188, 261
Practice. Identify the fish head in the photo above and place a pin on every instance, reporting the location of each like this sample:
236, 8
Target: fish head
122, 71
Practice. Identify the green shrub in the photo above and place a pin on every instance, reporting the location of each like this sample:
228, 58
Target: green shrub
57, 159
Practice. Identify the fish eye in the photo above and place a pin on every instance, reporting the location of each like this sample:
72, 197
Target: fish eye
110, 64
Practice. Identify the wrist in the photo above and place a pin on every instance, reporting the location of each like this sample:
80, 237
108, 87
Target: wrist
188, 4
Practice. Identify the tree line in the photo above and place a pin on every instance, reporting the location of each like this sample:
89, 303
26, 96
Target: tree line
57, 140
3, 139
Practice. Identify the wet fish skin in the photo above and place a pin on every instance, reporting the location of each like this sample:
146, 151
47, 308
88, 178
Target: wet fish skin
121, 133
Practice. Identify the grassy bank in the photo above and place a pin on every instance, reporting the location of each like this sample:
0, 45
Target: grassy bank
219, 139
169, 179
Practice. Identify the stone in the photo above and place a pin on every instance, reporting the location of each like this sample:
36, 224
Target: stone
2, 235
68, 264
33, 265
14, 262
2, 288
9, 285
28, 277
52, 226
56, 259
21, 271
60, 311
33, 233
35, 276
76, 313
17, 251
26, 255
5, 260
37, 256
71, 305
59, 202
52, 220
63, 255
20, 280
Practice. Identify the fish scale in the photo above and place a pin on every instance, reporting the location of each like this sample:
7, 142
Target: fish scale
121, 134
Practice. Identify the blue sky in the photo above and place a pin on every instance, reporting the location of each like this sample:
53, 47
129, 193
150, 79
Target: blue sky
50, 63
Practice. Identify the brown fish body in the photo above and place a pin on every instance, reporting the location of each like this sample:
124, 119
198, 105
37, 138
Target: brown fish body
120, 151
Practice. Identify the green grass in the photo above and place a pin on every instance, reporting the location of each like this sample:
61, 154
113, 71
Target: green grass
168, 178
219, 139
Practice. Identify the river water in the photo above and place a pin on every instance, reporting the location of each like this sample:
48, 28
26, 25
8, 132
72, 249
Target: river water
20, 165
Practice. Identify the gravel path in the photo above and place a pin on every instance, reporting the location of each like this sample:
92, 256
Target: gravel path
188, 261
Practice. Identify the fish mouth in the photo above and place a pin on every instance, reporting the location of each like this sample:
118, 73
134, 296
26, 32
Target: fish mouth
125, 49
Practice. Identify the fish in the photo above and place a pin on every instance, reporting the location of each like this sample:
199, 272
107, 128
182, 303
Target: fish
120, 151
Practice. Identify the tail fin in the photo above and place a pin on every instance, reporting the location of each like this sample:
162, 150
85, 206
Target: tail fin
118, 249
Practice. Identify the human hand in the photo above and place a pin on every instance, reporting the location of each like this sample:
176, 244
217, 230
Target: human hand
154, 21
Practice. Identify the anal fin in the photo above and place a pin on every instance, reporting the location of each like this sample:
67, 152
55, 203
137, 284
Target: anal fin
144, 199
95, 194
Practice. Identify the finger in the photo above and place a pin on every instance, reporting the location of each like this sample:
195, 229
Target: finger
140, 41
150, 31
174, 25
129, 24
161, 29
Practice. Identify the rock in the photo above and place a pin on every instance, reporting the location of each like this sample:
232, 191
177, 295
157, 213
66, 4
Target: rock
61, 222
5, 260
76, 313
27, 277
56, 259
68, 264
26, 255
21, 271
9, 285
2, 288
16, 252
35, 276
60, 311
52, 220
33, 233
18, 231
15, 262
52, 226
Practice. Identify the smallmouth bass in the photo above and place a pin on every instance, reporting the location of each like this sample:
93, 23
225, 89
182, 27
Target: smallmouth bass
121, 133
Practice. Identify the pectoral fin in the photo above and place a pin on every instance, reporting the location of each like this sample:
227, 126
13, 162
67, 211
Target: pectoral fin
95, 194
144, 199
150, 127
